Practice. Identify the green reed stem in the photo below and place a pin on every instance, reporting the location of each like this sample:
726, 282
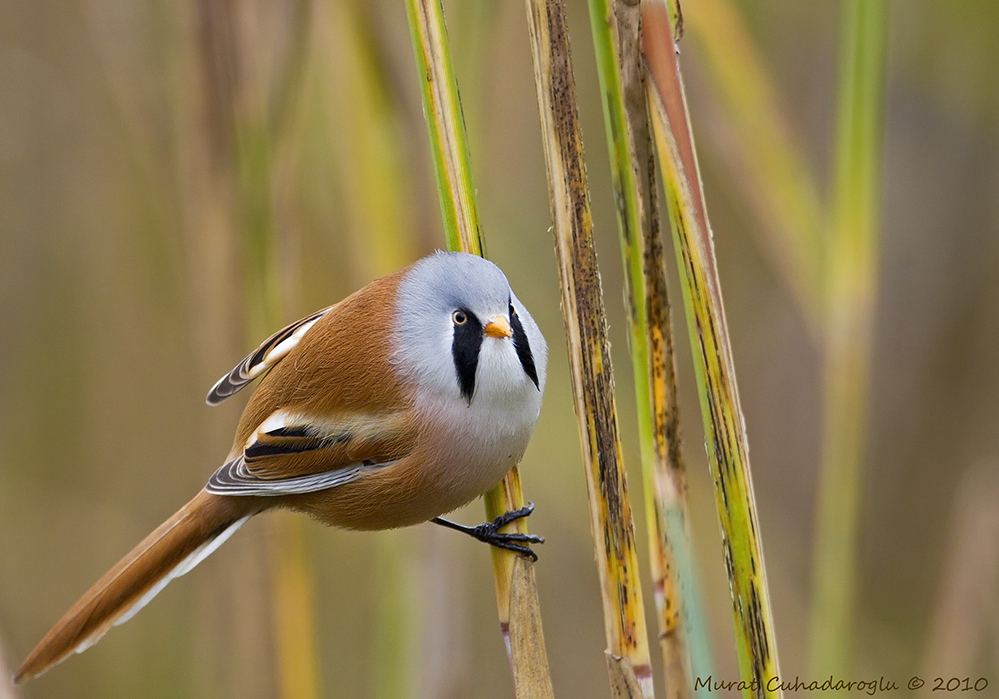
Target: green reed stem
615, 27
516, 593
852, 291
721, 411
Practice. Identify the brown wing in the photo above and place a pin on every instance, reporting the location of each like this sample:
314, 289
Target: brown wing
333, 409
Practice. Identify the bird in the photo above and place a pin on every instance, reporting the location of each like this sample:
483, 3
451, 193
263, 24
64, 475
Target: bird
404, 401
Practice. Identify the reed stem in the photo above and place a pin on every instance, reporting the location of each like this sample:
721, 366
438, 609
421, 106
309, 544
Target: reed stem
724, 426
516, 592
617, 43
589, 354
851, 296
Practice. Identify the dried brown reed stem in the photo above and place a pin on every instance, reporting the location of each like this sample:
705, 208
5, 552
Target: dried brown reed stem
616, 31
589, 353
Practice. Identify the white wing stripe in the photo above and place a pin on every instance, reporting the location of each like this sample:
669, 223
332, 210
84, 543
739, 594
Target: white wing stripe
280, 350
263, 358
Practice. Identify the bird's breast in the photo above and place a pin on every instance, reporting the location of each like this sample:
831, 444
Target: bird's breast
469, 447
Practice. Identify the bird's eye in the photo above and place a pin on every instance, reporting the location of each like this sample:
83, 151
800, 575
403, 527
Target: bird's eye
513, 311
459, 318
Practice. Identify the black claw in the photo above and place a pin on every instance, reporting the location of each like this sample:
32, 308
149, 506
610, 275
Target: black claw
489, 533
513, 515
522, 550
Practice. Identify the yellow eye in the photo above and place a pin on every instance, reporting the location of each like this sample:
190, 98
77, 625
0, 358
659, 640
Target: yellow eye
459, 318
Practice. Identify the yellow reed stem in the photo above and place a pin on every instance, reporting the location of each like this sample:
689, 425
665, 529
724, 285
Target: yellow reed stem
516, 593
589, 354
727, 444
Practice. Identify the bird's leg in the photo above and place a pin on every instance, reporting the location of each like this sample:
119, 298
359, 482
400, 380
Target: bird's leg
489, 533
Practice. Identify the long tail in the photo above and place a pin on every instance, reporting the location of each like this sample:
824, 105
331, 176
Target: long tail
171, 550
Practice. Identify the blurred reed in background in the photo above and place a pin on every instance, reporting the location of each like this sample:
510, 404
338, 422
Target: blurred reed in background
140, 144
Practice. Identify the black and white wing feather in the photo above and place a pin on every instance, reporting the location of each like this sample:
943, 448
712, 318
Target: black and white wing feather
235, 479
290, 454
263, 358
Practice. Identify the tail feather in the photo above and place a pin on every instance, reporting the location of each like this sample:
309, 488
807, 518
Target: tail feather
174, 548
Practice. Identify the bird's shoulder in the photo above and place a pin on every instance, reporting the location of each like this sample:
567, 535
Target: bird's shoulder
342, 366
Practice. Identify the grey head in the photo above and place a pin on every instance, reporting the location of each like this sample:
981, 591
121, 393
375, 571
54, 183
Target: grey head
445, 303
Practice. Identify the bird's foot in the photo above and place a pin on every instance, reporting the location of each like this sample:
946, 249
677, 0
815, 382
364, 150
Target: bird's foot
489, 533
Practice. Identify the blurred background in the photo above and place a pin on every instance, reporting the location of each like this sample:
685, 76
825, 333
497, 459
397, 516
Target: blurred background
155, 156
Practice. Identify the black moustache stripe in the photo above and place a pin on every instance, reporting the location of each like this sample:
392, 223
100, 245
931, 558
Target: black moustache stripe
465, 351
523, 348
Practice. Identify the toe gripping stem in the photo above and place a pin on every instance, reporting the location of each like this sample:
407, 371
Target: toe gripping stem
488, 532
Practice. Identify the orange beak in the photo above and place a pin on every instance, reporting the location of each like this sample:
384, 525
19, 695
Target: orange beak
499, 327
